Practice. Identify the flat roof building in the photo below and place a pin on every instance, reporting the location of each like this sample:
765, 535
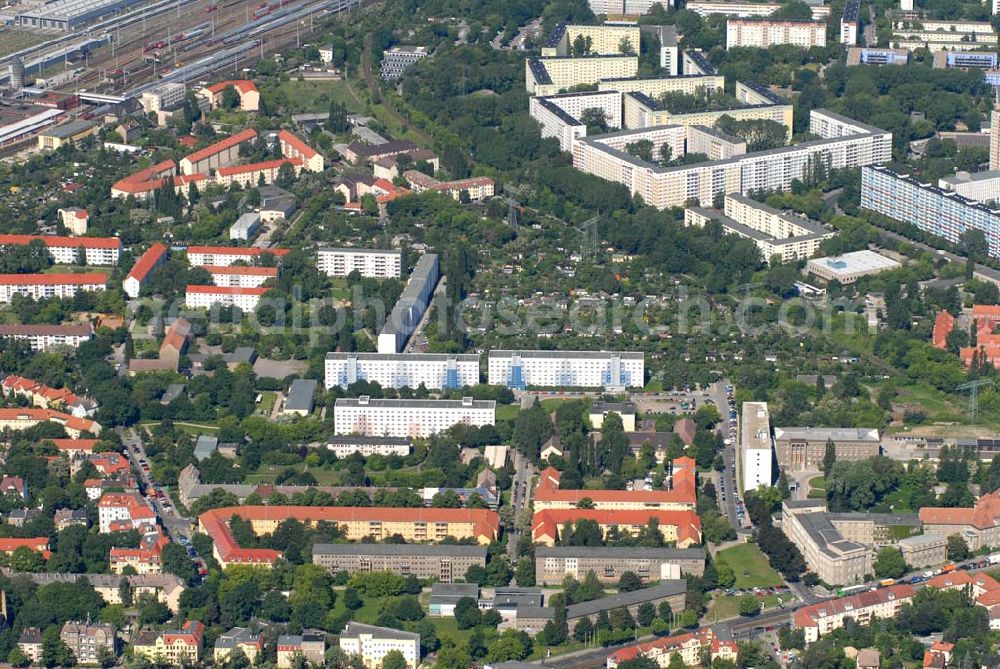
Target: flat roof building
411, 305
409, 418
850, 267
374, 263
756, 447
608, 563
445, 563
830, 556
801, 448
775, 232
434, 371
566, 369
373, 643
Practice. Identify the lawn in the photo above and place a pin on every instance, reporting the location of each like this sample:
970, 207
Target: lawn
751, 567
191, 428
268, 473
316, 96
817, 487
75, 269
728, 606
508, 411
267, 400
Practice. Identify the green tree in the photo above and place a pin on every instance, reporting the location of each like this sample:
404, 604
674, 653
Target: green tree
645, 614
958, 549
889, 563
467, 613
394, 659
524, 573
749, 605
629, 581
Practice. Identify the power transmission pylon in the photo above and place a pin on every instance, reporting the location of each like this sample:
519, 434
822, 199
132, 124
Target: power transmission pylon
973, 388
514, 195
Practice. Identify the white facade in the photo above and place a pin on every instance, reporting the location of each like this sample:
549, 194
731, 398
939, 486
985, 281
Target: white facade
775, 232
435, 371
995, 138
560, 115
45, 286
65, 250
373, 643
245, 227
411, 306
756, 446
772, 170
203, 297
764, 33
44, 337
373, 263
979, 186
241, 277
409, 418
398, 58
223, 256
162, 97
369, 446
745, 9
566, 369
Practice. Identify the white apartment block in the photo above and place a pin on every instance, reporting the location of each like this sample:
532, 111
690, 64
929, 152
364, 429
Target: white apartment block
654, 88
162, 97
235, 276
566, 369
715, 144
849, 23
943, 35
548, 76
409, 418
995, 139
373, 263
434, 371
398, 58
204, 297
560, 115
373, 643
979, 186
66, 250
46, 286
224, 256
629, 7
746, 9
669, 53
344, 447
604, 40
44, 337
411, 306
642, 111
756, 446
665, 187
775, 232
763, 33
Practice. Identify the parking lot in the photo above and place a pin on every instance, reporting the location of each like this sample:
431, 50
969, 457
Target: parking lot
729, 495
